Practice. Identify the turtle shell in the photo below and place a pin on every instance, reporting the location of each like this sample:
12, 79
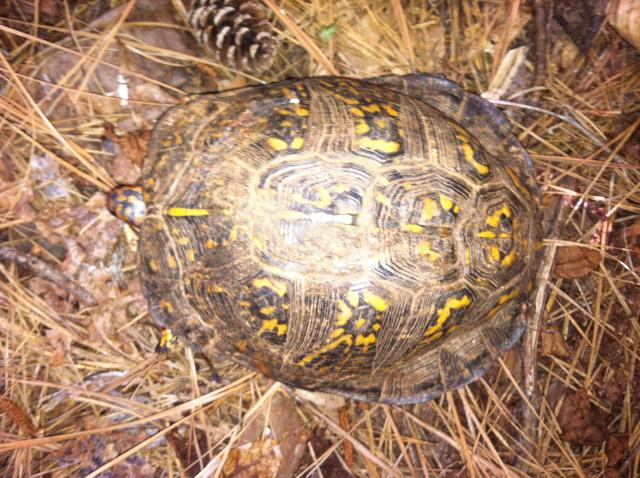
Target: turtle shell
375, 238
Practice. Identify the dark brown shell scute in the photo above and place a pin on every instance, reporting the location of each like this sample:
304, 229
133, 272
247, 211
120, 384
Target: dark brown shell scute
376, 238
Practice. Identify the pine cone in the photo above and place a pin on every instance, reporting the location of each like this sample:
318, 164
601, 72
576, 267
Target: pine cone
235, 32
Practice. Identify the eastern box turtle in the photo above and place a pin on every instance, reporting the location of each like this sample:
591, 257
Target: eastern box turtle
376, 238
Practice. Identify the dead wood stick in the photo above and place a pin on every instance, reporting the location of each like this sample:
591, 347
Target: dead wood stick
41, 269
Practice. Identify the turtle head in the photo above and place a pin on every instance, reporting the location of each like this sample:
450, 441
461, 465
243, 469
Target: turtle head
127, 204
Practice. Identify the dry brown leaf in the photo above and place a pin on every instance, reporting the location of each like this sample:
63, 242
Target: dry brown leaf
581, 20
509, 74
286, 428
345, 424
89, 453
580, 421
61, 345
615, 387
574, 262
132, 145
616, 448
632, 232
18, 415
252, 460
553, 343
624, 16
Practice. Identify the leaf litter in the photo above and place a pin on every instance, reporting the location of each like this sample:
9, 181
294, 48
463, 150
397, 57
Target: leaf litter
78, 97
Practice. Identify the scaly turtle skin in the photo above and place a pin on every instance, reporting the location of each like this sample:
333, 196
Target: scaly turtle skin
375, 238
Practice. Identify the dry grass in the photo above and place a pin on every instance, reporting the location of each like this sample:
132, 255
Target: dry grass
82, 390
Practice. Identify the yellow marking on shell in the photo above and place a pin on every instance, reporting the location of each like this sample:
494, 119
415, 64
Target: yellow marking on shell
494, 252
301, 111
277, 144
162, 161
415, 228
150, 182
381, 145
186, 212
360, 323
435, 336
469, 156
429, 209
289, 93
487, 235
425, 249
219, 181
244, 303
167, 341
233, 234
467, 256
362, 127
153, 265
211, 244
503, 299
284, 112
446, 202
382, 199
504, 235
391, 110
507, 297
269, 325
539, 245
183, 241
376, 326
286, 123
178, 139
290, 215
516, 180
285, 306
349, 101
341, 188
374, 108
268, 310
380, 123
357, 112
509, 258
375, 301
365, 340
346, 339
171, 262
344, 313
191, 255
258, 243
493, 220
297, 143
452, 303
401, 132
352, 298
278, 287
167, 306
337, 333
